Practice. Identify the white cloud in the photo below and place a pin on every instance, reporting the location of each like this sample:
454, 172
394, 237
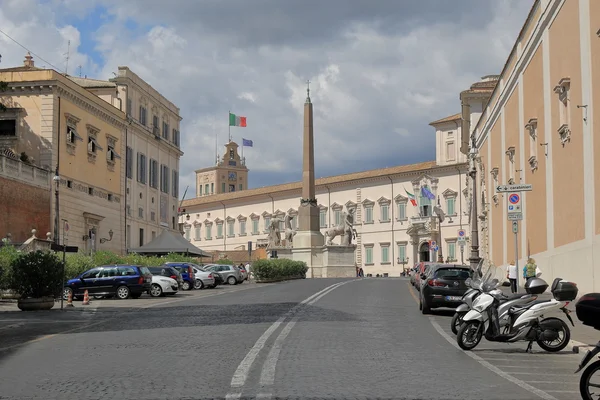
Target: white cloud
375, 84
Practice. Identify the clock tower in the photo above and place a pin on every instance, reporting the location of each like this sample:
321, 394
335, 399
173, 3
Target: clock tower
228, 175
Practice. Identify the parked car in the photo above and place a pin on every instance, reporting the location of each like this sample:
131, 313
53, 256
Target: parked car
169, 272
230, 273
203, 278
187, 273
122, 281
162, 285
244, 272
423, 269
444, 286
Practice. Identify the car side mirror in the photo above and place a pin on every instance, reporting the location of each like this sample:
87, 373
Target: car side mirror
423, 276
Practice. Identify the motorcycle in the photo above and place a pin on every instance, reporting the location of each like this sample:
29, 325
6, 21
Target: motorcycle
477, 287
588, 312
524, 322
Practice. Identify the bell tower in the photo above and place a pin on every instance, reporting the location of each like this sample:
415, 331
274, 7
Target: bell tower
230, 174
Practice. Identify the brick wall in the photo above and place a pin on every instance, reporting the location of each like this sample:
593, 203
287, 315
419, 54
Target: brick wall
22, 208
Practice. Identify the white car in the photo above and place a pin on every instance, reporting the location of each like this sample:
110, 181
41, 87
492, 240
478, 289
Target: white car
162, 285
203, 279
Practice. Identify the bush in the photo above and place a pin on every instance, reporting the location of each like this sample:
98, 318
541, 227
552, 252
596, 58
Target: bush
278, 268
36, 274
8, 255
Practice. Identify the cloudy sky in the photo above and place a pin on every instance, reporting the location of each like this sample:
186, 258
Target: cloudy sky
381, 69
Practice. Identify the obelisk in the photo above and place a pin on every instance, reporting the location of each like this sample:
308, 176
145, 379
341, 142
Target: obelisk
308, 241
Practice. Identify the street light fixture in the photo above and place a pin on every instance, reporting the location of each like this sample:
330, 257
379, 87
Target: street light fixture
403, 261
110, 235
474, 259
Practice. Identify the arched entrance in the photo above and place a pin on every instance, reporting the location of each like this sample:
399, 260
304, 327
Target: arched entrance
424, 253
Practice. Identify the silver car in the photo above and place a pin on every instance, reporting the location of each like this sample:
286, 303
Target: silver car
230, 273
203, 279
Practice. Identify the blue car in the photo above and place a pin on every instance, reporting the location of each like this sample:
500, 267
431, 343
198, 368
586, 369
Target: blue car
187, 273
122, 281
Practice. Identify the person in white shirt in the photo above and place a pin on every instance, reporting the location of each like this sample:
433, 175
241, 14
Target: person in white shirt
511, 274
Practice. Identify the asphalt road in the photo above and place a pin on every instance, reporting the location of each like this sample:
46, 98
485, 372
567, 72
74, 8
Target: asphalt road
306, 339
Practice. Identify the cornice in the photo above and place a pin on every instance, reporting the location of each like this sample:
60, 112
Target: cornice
88, 106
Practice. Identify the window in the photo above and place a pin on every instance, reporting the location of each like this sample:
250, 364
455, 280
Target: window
337, 216
425, 202
385, 212
450, 151
143, 115
152, 216
368, 255
197, 232
223, 187
165, 130
129, 162
450, 206
267, 222
452, 251
72, 134
155, 123
141, 168
230, 229
175, 184
206, 189
219, 231
242, 228
187, 233
385, 253
129, 107
402, 211
212, 188
255, 226
241, 186
164, 178
231, 188
402, 251
154, 174
175, 138
93, 146
294, 222
141, 237
140, 212
323, 219
208, 233
369, 214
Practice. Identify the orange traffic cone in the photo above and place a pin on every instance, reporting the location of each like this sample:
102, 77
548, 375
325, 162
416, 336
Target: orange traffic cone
86, 298
70, 300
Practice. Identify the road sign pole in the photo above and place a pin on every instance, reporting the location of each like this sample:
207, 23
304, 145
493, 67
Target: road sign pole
516, 231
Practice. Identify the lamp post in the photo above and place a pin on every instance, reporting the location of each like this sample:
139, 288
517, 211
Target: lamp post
403, 261
110, 236
56, 180
474, 259
441, 216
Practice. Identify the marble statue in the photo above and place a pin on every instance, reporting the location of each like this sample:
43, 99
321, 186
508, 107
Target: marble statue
345, 230
274, 233
289, 232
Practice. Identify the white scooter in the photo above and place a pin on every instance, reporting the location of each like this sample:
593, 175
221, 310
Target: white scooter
525, 322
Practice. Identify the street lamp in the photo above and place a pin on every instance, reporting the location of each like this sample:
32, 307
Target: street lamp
403, 261
474, 259
441, 216
56, 180
110, 235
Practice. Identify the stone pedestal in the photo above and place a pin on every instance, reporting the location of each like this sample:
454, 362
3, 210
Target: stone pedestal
339, 261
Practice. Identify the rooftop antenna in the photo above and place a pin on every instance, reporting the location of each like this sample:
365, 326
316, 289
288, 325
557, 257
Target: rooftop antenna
67, 58
79, 71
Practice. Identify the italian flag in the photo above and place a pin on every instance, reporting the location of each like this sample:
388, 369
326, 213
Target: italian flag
411, 196
236, 120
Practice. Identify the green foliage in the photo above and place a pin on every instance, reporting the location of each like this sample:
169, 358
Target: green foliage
78, 263
224, 261
278, 268
8, 255
36, 274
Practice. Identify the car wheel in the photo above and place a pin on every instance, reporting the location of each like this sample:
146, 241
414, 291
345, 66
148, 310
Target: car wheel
425, 309
66, 292
231, 280
186, 285
156, 290
199, 284
123, 292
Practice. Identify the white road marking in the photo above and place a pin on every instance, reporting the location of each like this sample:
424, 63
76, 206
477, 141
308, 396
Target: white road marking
265, 396
12, 326
243, 370
233, 396
496, 370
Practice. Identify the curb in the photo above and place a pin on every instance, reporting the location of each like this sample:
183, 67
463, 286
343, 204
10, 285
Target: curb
578, 347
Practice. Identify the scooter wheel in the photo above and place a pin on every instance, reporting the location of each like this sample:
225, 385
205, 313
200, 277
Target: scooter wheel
553, 347
456, 322
584, 381
469, 335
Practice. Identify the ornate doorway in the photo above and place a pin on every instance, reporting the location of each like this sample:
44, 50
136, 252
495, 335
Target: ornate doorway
424, 253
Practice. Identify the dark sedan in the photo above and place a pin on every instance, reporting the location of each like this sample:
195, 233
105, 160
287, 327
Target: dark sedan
122, 281
443, 286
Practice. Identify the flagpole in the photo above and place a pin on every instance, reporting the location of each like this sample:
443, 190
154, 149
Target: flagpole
229, 124
242, 150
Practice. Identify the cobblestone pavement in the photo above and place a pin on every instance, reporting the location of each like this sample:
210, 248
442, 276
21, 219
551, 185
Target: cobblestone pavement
306, 339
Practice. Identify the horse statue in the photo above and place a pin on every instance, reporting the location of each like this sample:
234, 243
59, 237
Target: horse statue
289, 232
345, 229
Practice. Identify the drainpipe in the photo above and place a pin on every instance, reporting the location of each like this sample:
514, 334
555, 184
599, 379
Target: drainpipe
272, 205
224, 227
392, 209
328, 207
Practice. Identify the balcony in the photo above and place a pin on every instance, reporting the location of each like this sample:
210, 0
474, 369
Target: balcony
18, 170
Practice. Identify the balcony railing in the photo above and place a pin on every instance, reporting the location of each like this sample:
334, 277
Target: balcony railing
23, 172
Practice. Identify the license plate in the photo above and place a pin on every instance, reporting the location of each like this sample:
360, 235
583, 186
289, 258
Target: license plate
453, 298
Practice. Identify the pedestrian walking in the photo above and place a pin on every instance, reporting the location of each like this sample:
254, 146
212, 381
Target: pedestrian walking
511, 274
530, 270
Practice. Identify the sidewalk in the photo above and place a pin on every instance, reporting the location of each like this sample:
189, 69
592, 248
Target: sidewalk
581, 336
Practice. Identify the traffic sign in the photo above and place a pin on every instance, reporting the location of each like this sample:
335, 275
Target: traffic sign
515, 216
436, 248
66, 226
433, 244
515, 226
461, 233
514, 198
514, 203
514, 188
461, 243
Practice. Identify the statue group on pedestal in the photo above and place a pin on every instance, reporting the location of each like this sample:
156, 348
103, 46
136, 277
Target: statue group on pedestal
345, 230
275, 233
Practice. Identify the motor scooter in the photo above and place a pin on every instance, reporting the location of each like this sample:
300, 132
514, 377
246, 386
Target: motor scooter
525, 322
588, 312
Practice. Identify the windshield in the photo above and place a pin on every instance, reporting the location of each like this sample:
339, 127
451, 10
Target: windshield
486, 277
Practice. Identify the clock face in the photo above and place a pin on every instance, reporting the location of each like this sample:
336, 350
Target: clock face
232, 176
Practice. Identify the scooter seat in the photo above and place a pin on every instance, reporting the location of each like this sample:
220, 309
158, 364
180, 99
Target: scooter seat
528, 305
514, 296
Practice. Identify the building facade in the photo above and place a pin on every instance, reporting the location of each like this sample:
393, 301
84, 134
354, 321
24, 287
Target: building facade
538, 129
152, 154
394, 210
58, 124
230, 174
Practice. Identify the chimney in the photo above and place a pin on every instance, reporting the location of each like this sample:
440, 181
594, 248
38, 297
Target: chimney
28, 62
